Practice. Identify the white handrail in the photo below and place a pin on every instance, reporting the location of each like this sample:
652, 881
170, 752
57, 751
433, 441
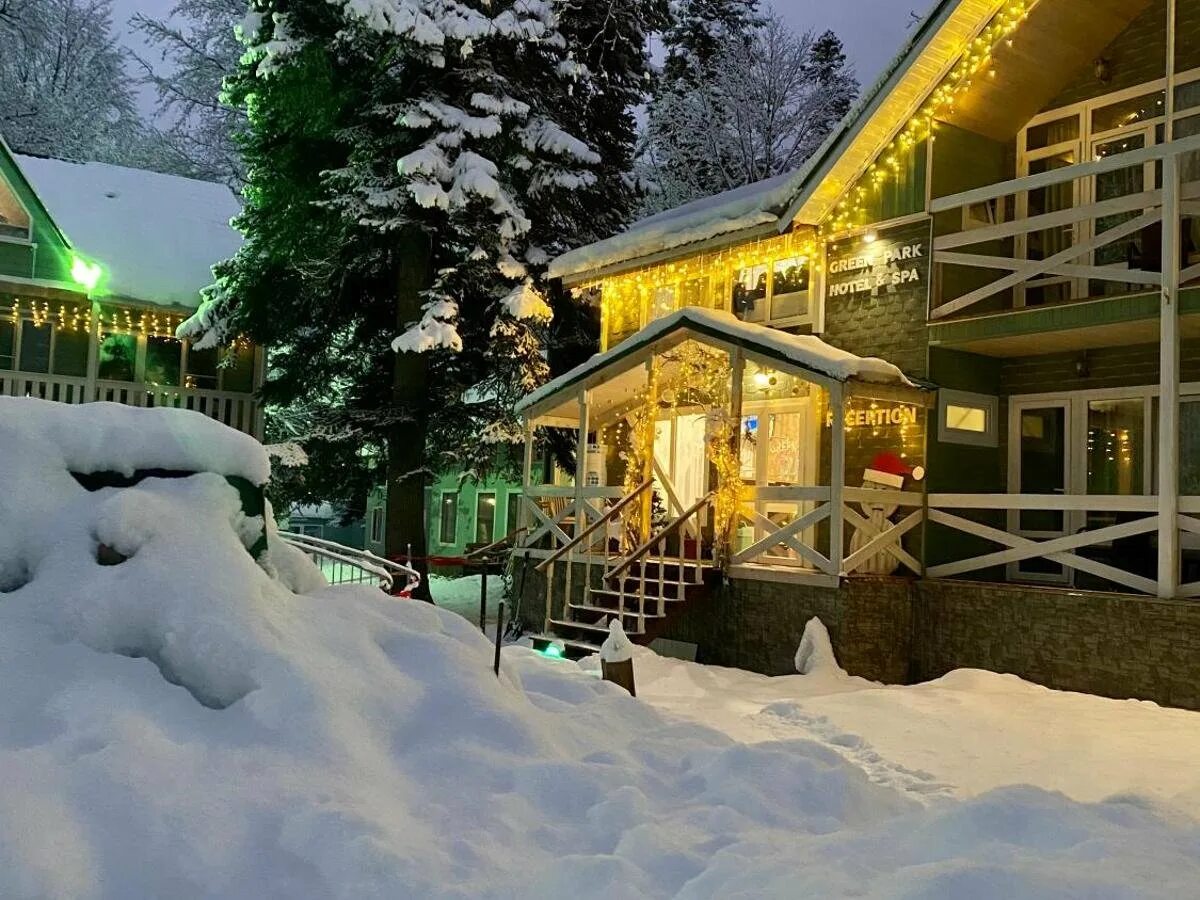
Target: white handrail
365, 561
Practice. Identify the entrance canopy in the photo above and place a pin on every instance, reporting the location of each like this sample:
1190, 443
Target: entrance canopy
616, 377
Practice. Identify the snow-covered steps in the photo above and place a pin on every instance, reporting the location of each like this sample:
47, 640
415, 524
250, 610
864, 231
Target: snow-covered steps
600, 614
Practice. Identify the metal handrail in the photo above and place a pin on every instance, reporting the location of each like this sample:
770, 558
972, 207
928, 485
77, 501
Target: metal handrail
662, 535
383, 569
591, 529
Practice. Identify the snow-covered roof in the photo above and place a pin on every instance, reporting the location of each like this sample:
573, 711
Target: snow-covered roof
800, 351
157, 236
744, 207
770, 203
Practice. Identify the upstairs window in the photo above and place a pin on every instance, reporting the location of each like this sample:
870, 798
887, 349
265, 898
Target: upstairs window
775, 292
14, 218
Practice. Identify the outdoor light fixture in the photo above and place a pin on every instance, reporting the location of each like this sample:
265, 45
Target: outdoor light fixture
87, 274
870, 237
1103, 70
555, 650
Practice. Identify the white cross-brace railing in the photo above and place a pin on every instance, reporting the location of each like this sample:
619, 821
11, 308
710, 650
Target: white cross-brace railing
1060, 549
1076, 261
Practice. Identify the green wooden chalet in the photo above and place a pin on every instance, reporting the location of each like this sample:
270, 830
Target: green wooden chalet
98, 266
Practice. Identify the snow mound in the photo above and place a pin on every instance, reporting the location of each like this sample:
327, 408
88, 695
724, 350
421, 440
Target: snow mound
111, 437
815, 654
181, 724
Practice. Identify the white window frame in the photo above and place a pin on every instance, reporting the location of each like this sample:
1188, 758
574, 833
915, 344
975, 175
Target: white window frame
989, 437
377, 525
441, 516
479, 495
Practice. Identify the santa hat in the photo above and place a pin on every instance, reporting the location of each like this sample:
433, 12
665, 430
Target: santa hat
890, 470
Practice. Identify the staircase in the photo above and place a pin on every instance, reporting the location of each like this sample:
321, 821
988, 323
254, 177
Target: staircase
643, 587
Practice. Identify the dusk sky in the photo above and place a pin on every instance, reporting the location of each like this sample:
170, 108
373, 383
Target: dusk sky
873, 30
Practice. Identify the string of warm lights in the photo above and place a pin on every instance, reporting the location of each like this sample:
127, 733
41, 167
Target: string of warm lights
627, 299
115, 320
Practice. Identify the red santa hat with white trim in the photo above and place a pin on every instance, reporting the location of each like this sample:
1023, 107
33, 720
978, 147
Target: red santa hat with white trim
889, 470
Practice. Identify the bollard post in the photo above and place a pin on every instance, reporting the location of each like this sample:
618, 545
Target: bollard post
499, 634
483, 595
616, 657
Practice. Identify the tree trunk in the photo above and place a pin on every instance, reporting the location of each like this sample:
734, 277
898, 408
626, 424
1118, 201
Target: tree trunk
406, 475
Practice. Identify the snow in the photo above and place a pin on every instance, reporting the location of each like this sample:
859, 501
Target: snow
524, 302
955, 738
157, 236
617, 647
804, 351
111, 437
757, 204
184, 724
815, 656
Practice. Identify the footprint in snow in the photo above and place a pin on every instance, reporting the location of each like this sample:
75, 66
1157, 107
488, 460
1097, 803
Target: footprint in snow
786, 718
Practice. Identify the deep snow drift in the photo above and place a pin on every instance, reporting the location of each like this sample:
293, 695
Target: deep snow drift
184, 725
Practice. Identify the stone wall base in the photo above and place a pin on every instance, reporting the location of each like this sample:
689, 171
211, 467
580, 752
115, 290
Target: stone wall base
901, 631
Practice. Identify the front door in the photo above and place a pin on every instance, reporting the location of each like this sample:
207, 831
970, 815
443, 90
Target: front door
1040, 463
778, 449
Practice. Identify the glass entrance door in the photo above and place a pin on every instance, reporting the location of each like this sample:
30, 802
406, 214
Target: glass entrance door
778, 450
1040, 463
1038, 245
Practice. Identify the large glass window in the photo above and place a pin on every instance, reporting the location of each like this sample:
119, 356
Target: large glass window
237, 373
750, 293
71, 352
118, 356
164, 358
789, 288
35, 346
485, 518
201, 368
8, 340
512, 514
448, 524
14, 221
694, 292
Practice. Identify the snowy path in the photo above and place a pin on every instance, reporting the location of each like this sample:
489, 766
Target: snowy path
961, 735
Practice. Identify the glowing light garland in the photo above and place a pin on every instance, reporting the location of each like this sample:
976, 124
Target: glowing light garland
626, 299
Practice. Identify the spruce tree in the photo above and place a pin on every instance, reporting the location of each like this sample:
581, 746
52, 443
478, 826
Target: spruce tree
403, 161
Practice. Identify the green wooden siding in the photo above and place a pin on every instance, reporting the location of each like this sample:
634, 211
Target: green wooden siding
48, 257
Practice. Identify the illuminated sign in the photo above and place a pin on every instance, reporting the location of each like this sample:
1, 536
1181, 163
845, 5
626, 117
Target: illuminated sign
900, 414
893, 261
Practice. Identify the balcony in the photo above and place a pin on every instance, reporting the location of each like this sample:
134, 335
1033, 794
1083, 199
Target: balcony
236, 410
1032, 269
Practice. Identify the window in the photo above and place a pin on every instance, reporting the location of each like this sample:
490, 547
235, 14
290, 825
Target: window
662, 302
968, 418
237, 372
14, 220
201, 368
750, 293
694, 292
8, 340
377, 525
448, 524
118, 356
512, 513
35, 347
485, 518
164, 359
789, 288
71, 352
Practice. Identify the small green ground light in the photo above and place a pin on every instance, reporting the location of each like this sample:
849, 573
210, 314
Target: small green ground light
555, 650
86, 273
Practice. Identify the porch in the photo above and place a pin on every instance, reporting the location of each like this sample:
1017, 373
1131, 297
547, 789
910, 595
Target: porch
704, 443
61, 347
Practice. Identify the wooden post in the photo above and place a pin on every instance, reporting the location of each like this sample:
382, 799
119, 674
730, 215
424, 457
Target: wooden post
651, 410
483, 569
93, 357
581, 450
499, 635
837, 474
526, 475
1168, 405
620, 673
738, 374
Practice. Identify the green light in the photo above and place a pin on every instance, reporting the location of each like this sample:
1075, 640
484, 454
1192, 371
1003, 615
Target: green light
554, 651
86, 273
